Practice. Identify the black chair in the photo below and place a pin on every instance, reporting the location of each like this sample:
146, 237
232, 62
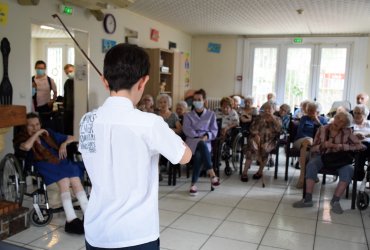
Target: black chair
290, 151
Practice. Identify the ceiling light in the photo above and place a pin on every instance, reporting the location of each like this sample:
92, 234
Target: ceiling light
46, 27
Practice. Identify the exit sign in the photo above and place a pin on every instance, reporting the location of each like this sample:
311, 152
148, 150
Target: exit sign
64, 9
297, 40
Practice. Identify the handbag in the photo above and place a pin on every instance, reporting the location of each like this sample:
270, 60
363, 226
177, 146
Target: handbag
336, 160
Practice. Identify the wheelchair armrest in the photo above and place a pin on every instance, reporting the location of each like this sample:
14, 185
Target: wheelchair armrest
72, 152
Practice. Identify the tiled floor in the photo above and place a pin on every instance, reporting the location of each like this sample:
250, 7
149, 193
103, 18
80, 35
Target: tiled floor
235, 216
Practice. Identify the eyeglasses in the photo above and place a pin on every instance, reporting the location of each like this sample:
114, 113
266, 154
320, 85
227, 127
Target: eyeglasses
358, 113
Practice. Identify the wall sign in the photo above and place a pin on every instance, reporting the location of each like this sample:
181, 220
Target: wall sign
107, 45
214, 47
154, 35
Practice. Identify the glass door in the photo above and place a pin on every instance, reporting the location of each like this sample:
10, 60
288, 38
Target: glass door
57, 57
264, 73
297, 76
332, 76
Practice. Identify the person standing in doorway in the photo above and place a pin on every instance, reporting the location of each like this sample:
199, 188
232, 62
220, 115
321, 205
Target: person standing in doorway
68, 99
42, 85
120, 146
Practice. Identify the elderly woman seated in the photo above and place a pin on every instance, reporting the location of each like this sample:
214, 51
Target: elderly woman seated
48, 150
361, 128
249, 111
264, 132
335, 137
230, 118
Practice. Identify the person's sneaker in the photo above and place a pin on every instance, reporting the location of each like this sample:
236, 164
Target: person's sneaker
75, 226
303, 203
336, 207
215, 181
193, 190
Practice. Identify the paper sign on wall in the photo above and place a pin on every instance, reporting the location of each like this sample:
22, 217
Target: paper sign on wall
3, 13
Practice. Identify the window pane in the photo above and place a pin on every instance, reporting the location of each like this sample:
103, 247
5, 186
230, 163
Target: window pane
332, 75
297, 76
55, 67
264, 73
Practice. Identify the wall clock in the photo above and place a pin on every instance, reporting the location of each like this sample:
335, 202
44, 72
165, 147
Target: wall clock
109, 23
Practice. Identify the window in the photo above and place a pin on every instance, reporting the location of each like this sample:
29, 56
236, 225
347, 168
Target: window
296, 73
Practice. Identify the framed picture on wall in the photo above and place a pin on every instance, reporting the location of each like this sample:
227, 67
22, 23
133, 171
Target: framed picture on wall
214, 47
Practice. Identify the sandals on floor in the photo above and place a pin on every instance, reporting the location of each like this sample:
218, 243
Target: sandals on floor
257, 176
244, 178
215, 181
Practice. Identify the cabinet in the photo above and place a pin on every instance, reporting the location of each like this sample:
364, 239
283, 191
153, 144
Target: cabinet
161, 71
167, 67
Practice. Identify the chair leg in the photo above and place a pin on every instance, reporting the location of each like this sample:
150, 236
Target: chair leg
170, 171
323, 179
276, 161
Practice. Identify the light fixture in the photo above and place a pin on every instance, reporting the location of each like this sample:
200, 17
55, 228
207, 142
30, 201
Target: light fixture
46, 27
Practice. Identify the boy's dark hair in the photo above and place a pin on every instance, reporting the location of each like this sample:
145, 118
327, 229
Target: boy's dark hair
124, 65
201, 92
40, 62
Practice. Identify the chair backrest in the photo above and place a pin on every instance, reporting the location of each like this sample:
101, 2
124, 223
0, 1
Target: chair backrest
292, 129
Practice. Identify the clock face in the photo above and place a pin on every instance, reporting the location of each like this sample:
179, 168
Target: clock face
109, 23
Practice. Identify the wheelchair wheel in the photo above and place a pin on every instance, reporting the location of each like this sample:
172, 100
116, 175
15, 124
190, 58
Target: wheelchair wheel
362, 200
47, 215
12, 183
228, 171
237, 150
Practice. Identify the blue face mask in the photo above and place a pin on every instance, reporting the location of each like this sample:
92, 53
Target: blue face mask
33, 91
198, 104
40, 72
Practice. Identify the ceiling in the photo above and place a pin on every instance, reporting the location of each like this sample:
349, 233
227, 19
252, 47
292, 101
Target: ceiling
244, 17
259, 17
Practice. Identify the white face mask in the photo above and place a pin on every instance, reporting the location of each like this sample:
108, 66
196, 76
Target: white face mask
198, 104
71, 75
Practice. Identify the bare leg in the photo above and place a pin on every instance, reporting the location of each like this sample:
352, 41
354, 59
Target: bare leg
247, 165
341, 187
302, 160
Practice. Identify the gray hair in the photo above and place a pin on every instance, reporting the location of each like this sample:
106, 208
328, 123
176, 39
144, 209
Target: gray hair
169, 99
286, 107
313, 105
347, 116
364, 110
249, 98
183, 104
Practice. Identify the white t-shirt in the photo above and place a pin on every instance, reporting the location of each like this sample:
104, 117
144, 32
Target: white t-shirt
120, 147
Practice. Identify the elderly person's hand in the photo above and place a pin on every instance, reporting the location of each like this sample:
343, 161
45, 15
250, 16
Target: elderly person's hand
63, 151
42, 132
360, 136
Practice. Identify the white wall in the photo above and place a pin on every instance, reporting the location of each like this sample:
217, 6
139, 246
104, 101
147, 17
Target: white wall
214, 72
18, 32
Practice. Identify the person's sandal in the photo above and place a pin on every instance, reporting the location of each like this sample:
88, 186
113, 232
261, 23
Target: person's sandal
257, 176
244, 178
215, 181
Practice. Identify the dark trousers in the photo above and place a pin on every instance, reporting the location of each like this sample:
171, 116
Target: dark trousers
153, 245
201, 156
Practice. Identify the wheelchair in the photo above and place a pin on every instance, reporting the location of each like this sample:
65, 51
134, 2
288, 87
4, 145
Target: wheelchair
13, 176
232, 149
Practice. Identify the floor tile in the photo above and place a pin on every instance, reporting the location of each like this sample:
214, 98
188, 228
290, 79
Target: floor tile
240, 231
196, 224
58, 239
260, 194
32, 234
293, 224
250, 217
210, 210
341, 232
288, 240
222, 199
175, 205
217, 243
307, 212
258, 205
182, 240
167, 217
322, 243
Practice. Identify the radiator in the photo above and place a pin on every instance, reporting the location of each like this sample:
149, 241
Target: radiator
213, 103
